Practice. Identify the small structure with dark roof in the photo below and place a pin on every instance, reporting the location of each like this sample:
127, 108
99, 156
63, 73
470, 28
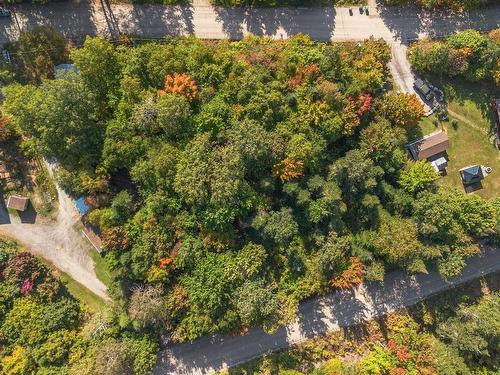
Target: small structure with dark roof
429, 146
473, 174
17, 203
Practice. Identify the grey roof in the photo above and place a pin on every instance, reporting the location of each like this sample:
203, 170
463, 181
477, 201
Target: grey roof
471, 173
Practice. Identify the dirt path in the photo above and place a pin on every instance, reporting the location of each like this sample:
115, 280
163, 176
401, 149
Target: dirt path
467, 121
57, 241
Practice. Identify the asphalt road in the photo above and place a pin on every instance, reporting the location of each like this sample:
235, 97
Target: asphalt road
318, 316
90, 17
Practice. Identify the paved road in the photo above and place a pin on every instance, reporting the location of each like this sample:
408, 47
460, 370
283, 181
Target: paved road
57, 241
90, 17
316, 317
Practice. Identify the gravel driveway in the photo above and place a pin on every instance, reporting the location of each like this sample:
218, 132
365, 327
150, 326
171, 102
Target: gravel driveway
57, 241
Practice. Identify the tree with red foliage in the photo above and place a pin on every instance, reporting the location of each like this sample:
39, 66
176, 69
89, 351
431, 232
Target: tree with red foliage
30, 275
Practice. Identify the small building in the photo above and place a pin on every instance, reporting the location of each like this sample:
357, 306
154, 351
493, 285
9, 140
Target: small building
439, 164
429, 146
82, 206
473, 174
17, 203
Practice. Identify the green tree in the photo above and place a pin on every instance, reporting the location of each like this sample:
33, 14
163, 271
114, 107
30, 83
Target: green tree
257, 303
40, 50
58, 119
99, 67
417, 176
475, 330
277, 226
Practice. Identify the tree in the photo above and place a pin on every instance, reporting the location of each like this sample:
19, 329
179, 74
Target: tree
401, 109
379, 140
332, 256
396, 241
156, 171
40, 50
257, 303
55, 350
110, 357
17, 363
173, 114
417, 176
277, 226
254, 144
288, 169
181, 84
58, 119
355, 174
122, 206
475, 330
209, 288
98, 65
147, 307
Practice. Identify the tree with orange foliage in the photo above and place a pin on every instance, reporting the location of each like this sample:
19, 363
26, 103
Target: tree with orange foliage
181, 84
288, 169
350, 277
401, 109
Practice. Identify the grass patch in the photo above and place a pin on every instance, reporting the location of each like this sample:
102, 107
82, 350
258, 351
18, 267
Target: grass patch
81, 293
469, 141
100, 267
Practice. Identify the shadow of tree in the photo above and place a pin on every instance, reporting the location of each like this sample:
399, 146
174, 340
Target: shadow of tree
72, 19
317, 22
407, 23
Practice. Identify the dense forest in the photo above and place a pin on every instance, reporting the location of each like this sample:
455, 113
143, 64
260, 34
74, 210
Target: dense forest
45, 331
467, 54
231, 180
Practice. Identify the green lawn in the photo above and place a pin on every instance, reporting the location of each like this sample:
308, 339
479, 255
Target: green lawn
469, 144
81, 293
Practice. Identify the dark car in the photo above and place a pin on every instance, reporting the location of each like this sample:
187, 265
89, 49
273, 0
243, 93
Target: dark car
4, 12
424, 89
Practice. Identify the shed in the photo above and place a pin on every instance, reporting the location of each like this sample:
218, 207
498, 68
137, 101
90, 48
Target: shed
471, 174
17, 203
430, 145
82, 206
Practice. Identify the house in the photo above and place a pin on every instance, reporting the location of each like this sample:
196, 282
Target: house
17, 203
474, 173
431, 145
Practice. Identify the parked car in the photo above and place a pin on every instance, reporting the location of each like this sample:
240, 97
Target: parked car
4, 12
424, 89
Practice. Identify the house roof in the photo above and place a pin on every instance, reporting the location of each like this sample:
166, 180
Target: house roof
471, 173
17, 203
429, 145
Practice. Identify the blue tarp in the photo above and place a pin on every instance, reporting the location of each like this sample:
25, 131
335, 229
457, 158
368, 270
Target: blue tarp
81, 206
